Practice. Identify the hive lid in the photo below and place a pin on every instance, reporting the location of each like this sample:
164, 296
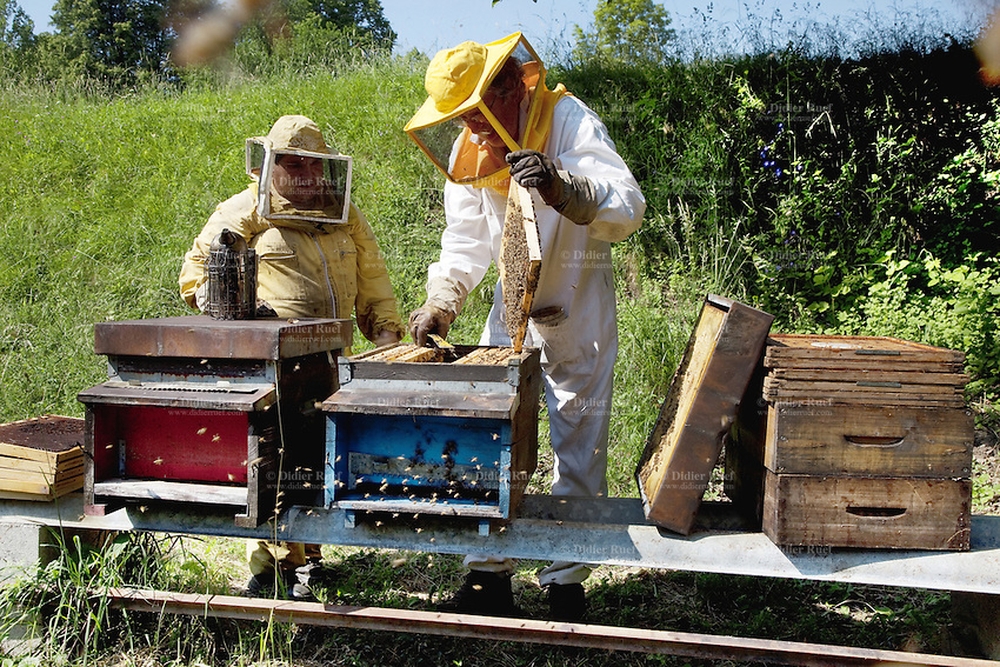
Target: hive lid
862, 370
200, 336
846, 352
721, 356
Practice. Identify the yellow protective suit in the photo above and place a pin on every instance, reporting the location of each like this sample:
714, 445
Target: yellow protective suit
305, 269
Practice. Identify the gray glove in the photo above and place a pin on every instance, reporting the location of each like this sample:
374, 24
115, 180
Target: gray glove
573, 196
429, 319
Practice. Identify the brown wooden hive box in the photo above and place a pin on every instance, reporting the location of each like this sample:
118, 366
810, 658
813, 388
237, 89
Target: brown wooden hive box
41, 458
856, 442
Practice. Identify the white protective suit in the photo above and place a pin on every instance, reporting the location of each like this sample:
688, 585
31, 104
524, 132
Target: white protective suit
578, 346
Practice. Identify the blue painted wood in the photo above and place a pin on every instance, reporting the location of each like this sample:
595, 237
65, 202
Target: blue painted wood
419, 463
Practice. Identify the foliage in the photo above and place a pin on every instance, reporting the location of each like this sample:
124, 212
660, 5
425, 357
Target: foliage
634, 32
17, 39
113, 41
16, 27
65, 594
362, 18
956, 308
115, 46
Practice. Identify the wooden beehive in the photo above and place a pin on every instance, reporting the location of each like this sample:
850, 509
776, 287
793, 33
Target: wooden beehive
701, 405
450, 431
196, 411
859, 442
41, 458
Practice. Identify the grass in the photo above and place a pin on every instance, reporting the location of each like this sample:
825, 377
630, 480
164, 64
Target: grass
83, 630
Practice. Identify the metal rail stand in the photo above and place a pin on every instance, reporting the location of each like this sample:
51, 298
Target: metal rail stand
599, 531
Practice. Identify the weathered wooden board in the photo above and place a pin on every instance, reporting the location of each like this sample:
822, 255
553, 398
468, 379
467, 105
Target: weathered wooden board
860, 393
874, 513
40, 489
167, 491
821, 438
25, 469
701, 405
203, 337
871, 375
520, 262
885, 353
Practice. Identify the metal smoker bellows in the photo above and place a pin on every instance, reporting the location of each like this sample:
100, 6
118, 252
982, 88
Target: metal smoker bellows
232, 278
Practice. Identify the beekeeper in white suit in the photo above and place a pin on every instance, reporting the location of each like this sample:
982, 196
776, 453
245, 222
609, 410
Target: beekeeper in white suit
585, 198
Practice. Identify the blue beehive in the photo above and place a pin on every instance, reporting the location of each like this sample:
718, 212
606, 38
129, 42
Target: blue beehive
427, 431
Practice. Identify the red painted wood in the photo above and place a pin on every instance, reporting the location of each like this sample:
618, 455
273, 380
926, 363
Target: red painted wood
184, 445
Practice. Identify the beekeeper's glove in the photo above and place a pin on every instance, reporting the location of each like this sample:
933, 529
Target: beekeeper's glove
445, 297
573, 196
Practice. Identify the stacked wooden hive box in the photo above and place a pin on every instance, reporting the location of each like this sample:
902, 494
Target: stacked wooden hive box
856, 442
41, 458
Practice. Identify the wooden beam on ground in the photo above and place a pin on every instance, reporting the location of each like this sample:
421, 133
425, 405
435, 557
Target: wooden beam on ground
493, 628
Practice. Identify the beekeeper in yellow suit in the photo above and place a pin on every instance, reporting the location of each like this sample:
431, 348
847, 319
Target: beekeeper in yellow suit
317, 257
488, 119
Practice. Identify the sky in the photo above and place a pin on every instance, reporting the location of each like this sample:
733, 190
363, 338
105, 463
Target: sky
430, 25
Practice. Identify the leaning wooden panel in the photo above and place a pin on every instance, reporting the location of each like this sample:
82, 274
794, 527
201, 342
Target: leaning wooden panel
700, 407
873, 513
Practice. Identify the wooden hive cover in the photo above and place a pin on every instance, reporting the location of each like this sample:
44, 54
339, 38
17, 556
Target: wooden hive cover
201, 337
721, 356
862, 370
41, 458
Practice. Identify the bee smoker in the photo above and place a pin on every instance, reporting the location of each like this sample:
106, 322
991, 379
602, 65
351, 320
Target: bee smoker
232, 278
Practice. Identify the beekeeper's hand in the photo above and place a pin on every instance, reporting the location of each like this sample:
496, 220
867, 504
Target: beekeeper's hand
429, 319
532, 169
386, 337
573, 196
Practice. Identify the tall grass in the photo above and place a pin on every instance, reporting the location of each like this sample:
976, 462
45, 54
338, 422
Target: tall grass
100, 199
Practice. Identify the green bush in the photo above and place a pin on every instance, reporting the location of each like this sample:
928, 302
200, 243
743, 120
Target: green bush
923, 301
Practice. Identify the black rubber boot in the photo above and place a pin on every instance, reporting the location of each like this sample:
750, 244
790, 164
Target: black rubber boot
567, 602
302, 580
484, 593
